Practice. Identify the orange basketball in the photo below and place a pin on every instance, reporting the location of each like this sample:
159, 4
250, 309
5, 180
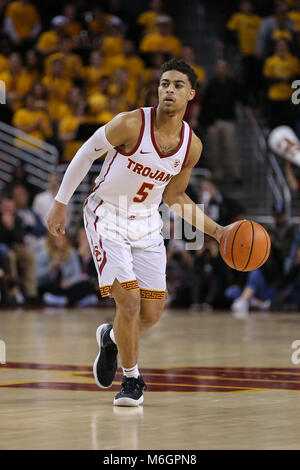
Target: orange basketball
245, 245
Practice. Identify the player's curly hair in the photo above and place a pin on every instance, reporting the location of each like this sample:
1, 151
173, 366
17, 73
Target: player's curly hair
181, 66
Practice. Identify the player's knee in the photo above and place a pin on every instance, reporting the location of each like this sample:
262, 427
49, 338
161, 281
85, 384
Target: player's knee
131, 310
156, 314
151, 317
130, 307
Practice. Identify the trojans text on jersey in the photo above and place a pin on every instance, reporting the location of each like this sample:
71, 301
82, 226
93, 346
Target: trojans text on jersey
148, 171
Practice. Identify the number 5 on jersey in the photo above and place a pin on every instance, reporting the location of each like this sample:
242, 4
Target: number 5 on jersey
143, 193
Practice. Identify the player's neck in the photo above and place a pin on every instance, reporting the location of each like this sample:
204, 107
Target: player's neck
168, 121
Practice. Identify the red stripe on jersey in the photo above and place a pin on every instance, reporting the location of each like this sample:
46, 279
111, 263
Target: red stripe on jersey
96, 220
96, 187
187, 148
101, 202
153, 138
95, 223
139, 139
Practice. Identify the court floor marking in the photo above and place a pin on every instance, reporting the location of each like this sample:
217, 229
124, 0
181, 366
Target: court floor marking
195, 379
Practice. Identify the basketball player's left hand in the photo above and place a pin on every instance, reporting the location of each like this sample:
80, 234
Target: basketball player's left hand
56, 219
223, 229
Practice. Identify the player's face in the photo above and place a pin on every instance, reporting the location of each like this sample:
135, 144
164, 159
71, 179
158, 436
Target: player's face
174, 91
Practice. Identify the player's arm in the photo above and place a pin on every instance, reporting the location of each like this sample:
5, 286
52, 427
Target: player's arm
122, 129
175, 197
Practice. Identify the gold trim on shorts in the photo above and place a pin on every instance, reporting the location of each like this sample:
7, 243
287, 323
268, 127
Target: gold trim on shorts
151, 294
128, 285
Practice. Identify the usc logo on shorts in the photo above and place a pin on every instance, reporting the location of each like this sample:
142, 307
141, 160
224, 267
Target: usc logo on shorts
97, 254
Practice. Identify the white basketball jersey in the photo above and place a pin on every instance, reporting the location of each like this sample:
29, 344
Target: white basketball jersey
136, 180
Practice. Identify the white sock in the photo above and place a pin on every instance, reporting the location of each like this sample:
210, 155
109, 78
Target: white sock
112, 336
132, 372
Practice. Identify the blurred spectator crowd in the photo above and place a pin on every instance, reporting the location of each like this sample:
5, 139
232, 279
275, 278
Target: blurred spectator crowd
269, 57
72, 73
269, 64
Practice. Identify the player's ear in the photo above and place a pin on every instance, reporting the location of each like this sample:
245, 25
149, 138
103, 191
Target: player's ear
192, 94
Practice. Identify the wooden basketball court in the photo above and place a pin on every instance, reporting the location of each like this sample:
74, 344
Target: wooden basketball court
214, 382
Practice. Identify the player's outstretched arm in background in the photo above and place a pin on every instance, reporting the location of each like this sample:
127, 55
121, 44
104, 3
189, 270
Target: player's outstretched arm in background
122, 129
175, 197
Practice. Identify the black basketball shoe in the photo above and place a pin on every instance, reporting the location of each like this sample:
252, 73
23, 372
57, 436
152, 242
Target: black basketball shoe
106, 363
131, 393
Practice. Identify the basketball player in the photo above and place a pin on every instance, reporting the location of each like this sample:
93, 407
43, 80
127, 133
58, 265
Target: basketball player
149, 154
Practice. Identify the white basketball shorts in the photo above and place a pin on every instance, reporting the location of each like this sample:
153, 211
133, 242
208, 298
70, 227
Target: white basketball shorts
127, 248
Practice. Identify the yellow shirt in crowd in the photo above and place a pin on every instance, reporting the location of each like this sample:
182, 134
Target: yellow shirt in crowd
58, 89
111, 46
282, 34
156, 42
62, 111
23, 17
275, 67
66, 125
3, 63
134, 64
126, 98
246, 27
92, 77
295, 17
105, 117
19, 84
25, 118
69, 124
96, 103
148, 20
73, 65
48, 41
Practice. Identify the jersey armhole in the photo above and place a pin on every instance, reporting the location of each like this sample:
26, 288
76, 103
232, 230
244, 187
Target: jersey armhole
139, 139
187, 148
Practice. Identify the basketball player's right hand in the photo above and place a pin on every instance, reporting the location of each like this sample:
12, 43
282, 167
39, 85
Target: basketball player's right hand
56, 219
